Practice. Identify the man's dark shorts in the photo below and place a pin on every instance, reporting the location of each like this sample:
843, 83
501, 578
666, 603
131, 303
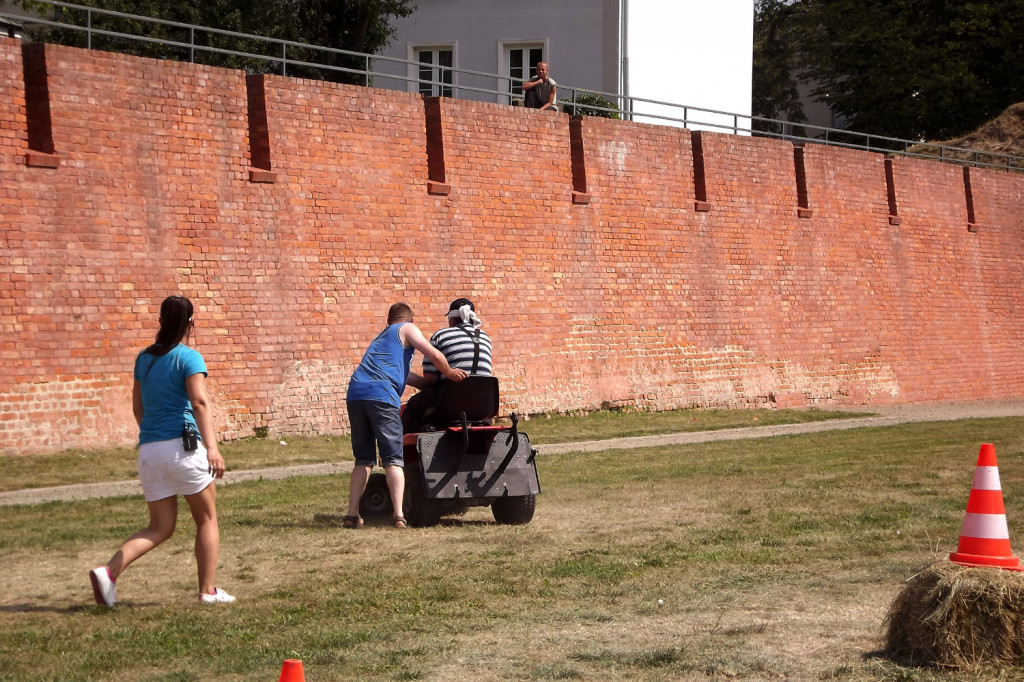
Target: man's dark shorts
375, 425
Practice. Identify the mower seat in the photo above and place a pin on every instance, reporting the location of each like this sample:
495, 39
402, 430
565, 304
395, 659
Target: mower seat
476, 396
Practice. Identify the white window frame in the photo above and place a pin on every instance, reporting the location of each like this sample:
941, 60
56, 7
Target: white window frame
504, 85
414, 66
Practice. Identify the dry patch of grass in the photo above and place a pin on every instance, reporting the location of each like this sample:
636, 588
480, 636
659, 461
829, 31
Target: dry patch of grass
771, 559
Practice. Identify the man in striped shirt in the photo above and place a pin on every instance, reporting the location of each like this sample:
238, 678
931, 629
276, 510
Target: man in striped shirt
465, 346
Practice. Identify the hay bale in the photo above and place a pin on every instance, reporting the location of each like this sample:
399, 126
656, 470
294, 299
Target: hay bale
955, 617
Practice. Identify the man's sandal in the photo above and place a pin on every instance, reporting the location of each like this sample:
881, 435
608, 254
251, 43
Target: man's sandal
400, 522
351, 522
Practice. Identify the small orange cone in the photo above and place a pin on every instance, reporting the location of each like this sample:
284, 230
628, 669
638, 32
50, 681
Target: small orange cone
984, 536
291, 671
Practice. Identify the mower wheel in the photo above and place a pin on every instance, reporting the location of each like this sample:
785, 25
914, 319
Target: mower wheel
514, 511
419, 510
376, 499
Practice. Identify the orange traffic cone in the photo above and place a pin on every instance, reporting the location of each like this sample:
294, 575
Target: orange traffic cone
291, 671
984, 536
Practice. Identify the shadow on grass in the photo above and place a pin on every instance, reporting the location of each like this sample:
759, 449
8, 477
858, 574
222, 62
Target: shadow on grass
335, 521
77, 608
36, 608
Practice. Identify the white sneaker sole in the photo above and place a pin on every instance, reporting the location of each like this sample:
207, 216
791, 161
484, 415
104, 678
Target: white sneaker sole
219, 596
102, 587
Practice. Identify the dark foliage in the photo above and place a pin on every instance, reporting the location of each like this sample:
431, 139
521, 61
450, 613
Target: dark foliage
348, 25
913, 69
591, 104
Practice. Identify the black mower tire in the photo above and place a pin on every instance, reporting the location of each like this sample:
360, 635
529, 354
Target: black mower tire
514, 511
419, 510
376, 499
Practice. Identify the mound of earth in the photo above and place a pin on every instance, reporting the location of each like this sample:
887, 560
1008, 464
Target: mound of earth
1002, 135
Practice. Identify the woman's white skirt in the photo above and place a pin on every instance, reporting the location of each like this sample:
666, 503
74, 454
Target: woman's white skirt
166, 470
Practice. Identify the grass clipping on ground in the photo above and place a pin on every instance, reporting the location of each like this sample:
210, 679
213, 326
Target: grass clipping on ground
951, 616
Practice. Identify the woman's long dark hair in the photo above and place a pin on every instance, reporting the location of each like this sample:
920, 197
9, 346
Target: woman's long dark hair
175, 324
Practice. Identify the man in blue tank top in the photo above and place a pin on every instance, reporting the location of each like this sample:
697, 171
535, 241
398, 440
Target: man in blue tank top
374, 403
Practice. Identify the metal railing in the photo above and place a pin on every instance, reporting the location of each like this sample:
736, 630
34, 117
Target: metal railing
271, 55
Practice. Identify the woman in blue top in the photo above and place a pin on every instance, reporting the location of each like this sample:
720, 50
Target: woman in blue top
178, 453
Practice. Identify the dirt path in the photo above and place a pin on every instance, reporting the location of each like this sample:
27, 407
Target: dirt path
885, 416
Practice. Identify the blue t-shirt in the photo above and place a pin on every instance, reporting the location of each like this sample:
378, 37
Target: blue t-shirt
382, 374
165, 404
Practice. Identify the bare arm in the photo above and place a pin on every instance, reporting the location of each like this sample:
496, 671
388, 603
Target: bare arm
551, 98
411, 335
196, 387
137, 402
530, 84
422, 381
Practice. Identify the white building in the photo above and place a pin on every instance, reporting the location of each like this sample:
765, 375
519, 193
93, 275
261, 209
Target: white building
692, 53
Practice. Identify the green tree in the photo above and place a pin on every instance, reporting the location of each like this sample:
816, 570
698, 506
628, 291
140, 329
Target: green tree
353, 25
915, 69
776, 44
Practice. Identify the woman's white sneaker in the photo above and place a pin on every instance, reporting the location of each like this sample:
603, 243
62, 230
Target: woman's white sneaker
219, 596
103, 586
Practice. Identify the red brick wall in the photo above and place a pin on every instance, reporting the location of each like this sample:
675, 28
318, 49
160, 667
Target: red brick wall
641, 297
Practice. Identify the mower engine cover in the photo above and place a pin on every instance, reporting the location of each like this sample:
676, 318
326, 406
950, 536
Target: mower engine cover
478, 462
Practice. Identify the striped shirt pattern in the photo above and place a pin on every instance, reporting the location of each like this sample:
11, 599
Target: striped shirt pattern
457, 347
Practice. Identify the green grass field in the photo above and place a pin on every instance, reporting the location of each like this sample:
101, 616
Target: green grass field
774, 558
118, 464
